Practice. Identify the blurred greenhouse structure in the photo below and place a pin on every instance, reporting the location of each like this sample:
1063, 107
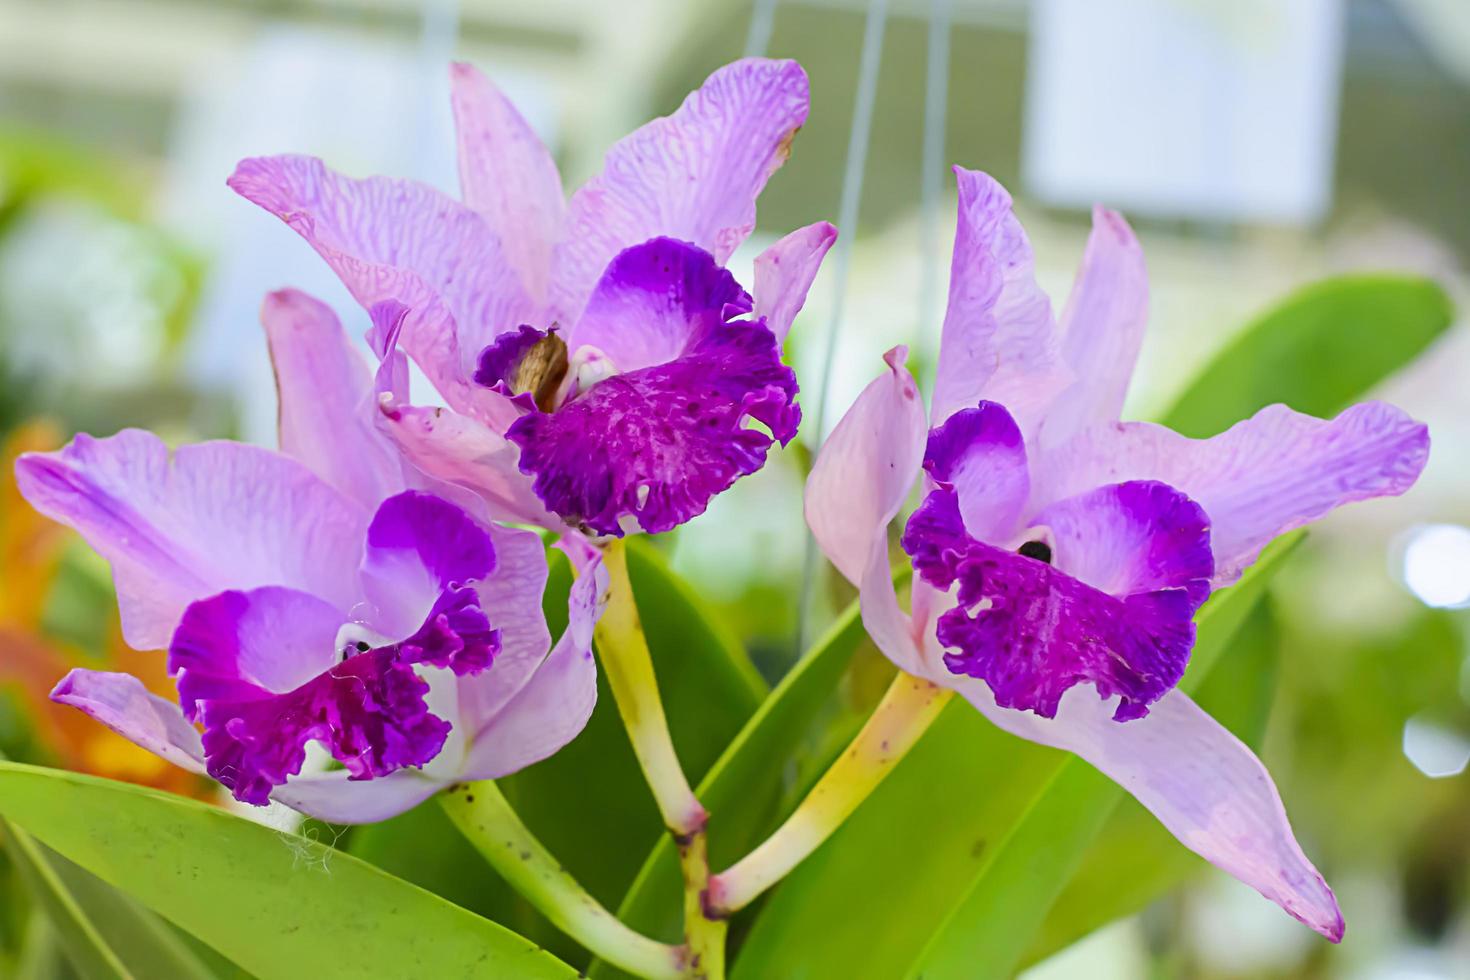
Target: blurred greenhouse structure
1295, 140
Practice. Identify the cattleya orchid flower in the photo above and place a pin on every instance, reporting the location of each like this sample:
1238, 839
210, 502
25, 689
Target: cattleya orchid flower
602, 369
322, 594
1058, 549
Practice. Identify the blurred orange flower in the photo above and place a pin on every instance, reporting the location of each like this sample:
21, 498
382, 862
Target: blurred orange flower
31, 549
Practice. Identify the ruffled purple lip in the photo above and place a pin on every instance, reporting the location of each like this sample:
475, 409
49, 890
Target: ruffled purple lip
650, 446
369, 709
1032, 632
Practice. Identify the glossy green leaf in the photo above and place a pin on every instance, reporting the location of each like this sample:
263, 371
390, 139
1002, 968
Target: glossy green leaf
1317, 351
106, 933
709, 688
1135, 860
278, 905
962, 850
745, 788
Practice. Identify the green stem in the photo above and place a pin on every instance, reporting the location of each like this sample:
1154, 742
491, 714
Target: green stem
704, 934
485, 817
628, 667
904, 714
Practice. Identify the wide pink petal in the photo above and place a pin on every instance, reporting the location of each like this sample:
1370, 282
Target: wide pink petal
461, 451
511, 598
123, 704
403, 241
1203, 784
180, 526
333, 798
1102, 328
693, 175
865, 469
999, 341
325, 389
553, 706
980, 452
1275, 471
507, 174
784, 274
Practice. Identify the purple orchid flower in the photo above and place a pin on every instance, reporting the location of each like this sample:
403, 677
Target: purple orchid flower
1057, 546
326, 594
602, 369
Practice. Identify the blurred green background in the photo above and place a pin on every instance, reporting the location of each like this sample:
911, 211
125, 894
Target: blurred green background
1258, 148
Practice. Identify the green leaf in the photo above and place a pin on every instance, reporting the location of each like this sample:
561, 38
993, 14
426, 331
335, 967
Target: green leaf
1135, 860
745, 788
1317, 351
709, 689
950, 867
107, 934
278, 905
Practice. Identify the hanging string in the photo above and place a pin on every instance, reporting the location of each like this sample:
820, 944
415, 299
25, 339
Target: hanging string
762, 20
936, 91
847, 216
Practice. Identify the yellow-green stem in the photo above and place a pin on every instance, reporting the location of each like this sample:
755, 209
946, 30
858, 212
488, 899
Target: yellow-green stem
629, 670
486, 818
906, 711
704, 934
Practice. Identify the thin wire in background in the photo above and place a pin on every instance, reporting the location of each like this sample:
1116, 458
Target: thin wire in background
936, 92
847, 216
762, 20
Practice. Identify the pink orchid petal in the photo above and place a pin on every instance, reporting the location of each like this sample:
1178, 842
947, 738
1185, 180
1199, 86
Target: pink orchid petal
511, 597
865, 469
507, 175
980, 452
1102, 328
326, 399
459, 450
999, 341
554, 705
180, 526
123, 704
1203, 784
693, 175
333, 798
402, 241
1273, 472
784, 274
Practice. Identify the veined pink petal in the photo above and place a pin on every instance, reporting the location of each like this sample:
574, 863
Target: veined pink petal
1273, 472
332, 797
865, 469
180, 526
459, 450
784, 274
123, 704
693, 175
325, 390
403, 241
511, 597
999, 341
1102, 328
1203, 784
507, 174
553, 706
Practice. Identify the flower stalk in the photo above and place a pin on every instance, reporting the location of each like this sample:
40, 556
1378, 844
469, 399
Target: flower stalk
629, 669
486, 818
908, 708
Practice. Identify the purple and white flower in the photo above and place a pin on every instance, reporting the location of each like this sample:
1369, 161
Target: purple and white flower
602, 369
1057, 548
322, 594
